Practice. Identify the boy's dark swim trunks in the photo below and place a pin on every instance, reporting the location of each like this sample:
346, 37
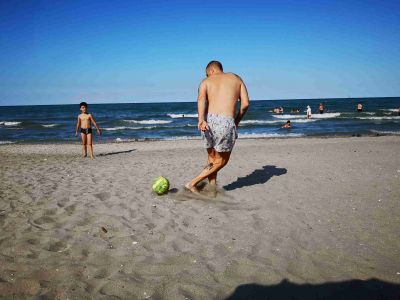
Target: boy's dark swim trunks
86, 130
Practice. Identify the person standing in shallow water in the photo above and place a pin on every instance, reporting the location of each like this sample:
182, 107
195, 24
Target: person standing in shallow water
309, 115
218, 121
359, 107
321, 108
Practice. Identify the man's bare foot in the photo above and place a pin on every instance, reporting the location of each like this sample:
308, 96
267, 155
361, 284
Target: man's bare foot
192, 188
92, 157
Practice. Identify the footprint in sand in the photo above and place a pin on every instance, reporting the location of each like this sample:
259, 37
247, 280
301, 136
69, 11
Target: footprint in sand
62, 202
85, 253
101, 274
70, 209
43, 220
84, 222
103, 196
33, 241
32, 255
50, 212
132, 213
59, 246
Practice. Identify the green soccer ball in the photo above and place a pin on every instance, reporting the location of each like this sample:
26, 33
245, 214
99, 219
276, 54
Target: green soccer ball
160, 185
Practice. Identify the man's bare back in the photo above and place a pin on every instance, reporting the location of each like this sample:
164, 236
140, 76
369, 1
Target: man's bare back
222, 91
219, 93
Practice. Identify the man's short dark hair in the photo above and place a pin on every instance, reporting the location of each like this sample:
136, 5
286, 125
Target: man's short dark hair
215, 63
83, 104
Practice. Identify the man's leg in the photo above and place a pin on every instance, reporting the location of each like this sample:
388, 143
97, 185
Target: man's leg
84, 142
221, 159
211, 157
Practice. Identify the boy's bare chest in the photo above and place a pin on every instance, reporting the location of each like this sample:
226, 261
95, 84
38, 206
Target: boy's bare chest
84, 118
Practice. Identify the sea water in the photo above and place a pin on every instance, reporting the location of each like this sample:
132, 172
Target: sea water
178, 120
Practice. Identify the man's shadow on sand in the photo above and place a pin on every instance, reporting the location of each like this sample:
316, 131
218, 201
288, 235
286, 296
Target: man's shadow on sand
258, 176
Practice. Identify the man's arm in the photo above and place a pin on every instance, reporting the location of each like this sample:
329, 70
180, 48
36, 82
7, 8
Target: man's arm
95, 124
78, 124
202, 106
244, 103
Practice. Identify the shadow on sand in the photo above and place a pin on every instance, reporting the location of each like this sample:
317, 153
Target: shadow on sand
114, 153
372, 289
258, 176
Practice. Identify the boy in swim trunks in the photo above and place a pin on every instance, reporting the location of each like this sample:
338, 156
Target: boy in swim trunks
218, 121
84, 123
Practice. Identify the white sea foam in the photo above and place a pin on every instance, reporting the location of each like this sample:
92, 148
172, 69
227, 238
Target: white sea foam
276, 121
268, 135
117, 128
259, 122
49, 125
386, 132
303, 120
145, 127
147, 122
379, 118
175, 116
390, 109
127, 128
242, 136
8, 123
314, 116
6, 142
175, 138
289, 117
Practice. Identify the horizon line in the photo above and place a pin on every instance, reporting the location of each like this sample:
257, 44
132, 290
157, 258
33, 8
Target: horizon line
178, 101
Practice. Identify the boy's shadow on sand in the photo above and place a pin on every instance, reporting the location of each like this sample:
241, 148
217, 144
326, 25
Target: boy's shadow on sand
372, 289
117, 152
258, 176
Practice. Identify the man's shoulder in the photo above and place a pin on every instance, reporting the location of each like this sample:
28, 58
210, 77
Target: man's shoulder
203, 83
234, 76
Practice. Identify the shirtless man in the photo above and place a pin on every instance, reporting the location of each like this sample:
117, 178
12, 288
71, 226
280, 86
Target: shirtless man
218, 121
84, 123
321, 108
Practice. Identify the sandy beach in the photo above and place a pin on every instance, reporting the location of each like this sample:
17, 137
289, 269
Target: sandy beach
304, 218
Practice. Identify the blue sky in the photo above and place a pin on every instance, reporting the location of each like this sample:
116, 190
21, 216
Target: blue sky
54, 52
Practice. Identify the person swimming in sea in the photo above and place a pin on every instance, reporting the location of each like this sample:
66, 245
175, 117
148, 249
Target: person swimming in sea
287, 125
295, 110
359, 107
